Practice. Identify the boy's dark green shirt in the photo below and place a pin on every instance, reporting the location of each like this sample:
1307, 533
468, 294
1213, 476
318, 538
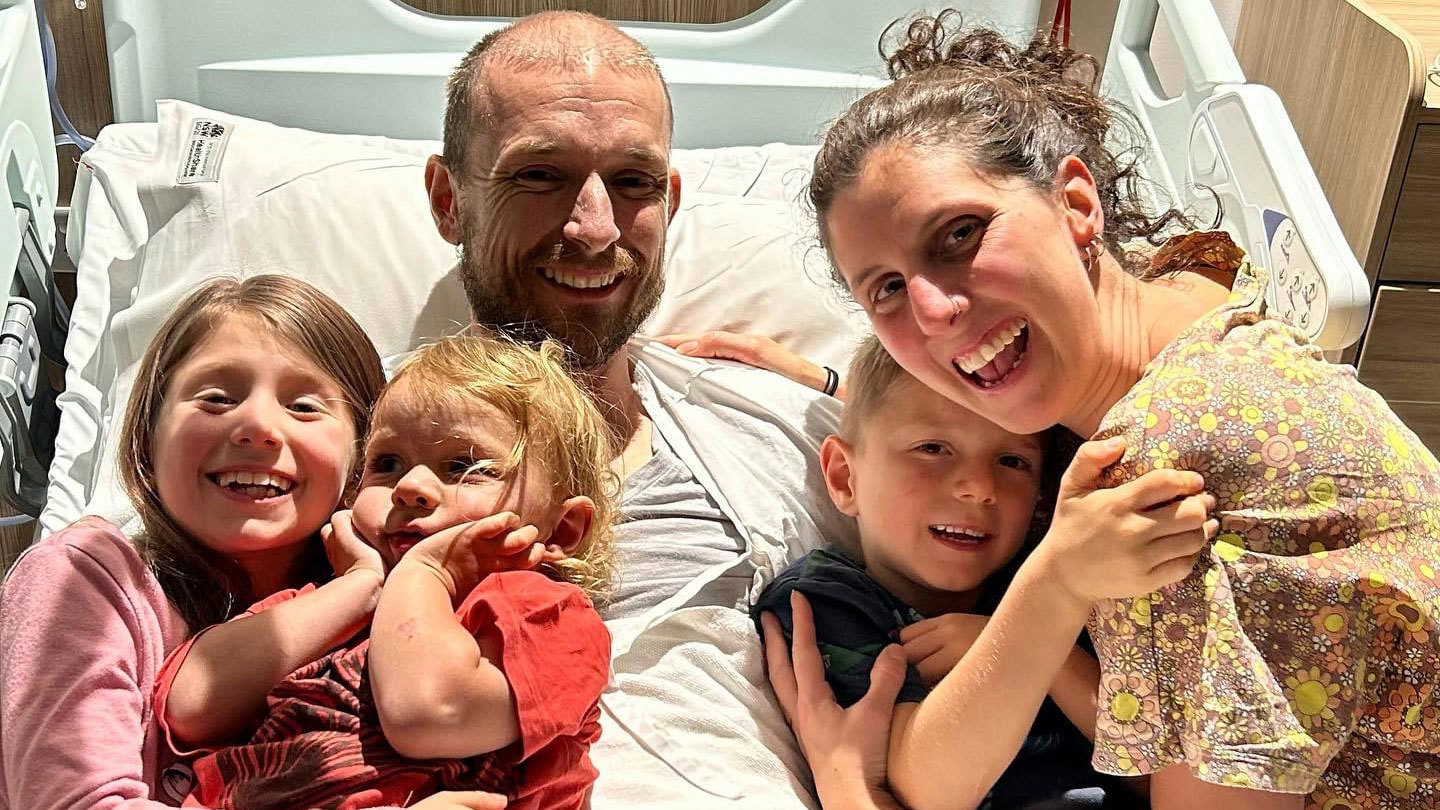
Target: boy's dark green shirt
855, 618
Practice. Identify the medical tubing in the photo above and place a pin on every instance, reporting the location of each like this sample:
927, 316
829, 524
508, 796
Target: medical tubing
47, 55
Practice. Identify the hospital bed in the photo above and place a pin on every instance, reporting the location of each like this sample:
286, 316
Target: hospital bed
189, 191
302, 142
214, 185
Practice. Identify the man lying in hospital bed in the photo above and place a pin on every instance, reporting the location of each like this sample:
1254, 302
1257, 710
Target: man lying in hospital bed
722, 486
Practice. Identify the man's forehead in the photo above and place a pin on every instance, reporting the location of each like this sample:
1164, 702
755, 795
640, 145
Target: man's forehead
520, 99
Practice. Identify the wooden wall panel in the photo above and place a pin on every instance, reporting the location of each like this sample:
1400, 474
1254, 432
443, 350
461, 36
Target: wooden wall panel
82, 75
1410, 254
1357, 132
1402, 348
1401, 355
681, 11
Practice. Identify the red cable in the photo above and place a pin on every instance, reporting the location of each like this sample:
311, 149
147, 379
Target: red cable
1060, 28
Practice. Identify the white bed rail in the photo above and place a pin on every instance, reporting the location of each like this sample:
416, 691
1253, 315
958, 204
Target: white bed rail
1236, 139
28, 193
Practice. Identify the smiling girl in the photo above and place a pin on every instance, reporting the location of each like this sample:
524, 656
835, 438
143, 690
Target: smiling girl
238, 442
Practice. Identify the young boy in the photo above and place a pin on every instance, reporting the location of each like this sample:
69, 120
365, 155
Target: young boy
947, 509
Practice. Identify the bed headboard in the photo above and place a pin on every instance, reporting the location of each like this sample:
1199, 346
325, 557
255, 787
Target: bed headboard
379, 67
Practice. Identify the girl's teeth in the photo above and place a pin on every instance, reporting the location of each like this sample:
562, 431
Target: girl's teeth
254, 479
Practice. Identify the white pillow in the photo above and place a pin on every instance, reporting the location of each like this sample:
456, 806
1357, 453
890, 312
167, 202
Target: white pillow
203, 193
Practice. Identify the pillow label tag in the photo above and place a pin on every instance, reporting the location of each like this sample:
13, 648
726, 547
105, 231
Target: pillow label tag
200, 162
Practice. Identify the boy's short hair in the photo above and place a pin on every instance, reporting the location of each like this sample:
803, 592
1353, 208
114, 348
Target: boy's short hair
557, 424
872, 376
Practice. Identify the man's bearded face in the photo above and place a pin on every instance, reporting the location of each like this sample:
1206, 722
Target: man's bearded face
537, 297
563, 209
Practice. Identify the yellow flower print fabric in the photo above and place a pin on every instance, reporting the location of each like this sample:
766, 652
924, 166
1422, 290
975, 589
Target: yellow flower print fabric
1302, 654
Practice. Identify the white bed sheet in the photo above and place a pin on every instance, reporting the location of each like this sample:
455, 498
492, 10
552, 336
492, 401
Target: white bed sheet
348, 213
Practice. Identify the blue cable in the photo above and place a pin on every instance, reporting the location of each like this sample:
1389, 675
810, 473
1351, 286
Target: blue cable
47, 55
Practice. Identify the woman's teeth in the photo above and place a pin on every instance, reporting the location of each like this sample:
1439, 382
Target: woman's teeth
982, 356
580, 281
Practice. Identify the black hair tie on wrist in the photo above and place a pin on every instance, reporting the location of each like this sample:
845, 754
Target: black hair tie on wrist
832, 381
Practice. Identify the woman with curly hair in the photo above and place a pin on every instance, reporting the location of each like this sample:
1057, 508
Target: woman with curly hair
976, 213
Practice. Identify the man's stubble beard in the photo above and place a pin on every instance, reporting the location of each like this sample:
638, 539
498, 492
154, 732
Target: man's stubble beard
501, 299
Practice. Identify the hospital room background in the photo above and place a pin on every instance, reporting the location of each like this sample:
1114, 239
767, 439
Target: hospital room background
1314, 121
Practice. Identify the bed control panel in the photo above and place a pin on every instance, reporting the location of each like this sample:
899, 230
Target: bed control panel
1225, 140
1245, 150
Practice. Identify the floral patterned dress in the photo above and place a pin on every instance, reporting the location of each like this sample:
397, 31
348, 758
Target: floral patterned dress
1302, 654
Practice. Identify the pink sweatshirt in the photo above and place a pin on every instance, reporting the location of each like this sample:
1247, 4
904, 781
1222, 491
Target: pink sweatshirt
84, 628
84, 631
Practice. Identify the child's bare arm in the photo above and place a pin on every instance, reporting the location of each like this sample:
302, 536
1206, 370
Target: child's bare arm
1075, 688
219, 690
1102, 544
439, 689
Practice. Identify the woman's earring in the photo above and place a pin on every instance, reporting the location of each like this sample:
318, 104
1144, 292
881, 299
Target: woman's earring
1093, 249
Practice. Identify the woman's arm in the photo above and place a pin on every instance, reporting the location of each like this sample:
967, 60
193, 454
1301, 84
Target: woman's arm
73, 644
758, 351
936, 645
1075, 688
219, 690
1103, 543
1176, 788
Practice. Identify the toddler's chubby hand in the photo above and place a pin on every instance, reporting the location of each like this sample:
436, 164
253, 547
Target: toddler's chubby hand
466, 553
1128, 540
461, 800
935, 645
346, 550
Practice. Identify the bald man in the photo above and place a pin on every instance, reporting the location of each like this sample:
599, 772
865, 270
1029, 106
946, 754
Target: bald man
556, 184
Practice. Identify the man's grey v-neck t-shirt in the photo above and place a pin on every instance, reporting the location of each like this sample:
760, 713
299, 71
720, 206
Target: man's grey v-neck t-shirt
671, 531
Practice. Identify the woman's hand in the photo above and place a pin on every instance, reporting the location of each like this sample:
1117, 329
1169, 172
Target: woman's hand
753, 350
346, 550
461, 800
848, 749
1128, 540
466, 553
934, 646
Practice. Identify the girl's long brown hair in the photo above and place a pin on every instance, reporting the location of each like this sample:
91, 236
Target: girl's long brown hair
206, 587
